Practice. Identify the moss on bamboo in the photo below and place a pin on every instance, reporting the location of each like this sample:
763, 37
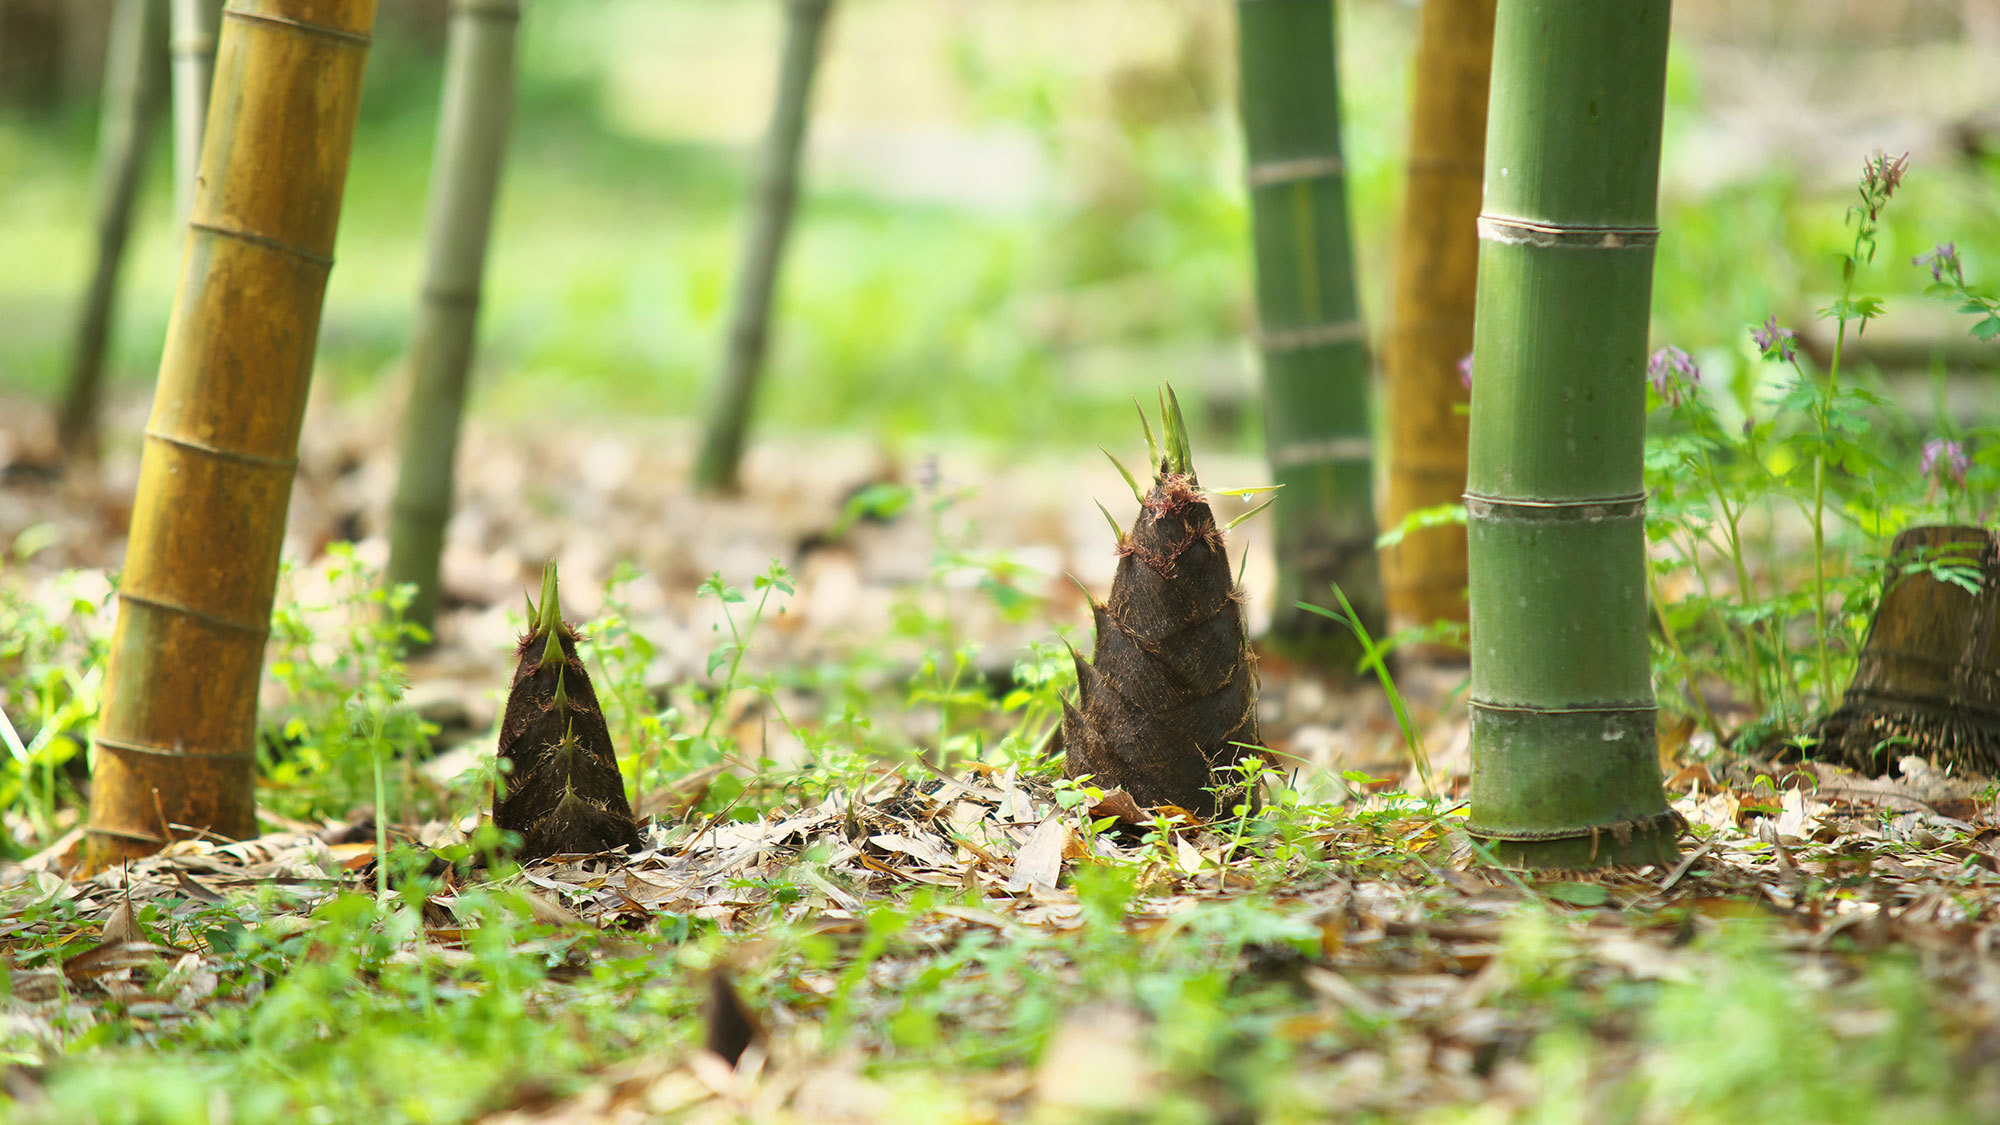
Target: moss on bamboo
1169, 701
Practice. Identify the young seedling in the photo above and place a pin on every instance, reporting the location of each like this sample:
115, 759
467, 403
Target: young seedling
564, 793
1168, 706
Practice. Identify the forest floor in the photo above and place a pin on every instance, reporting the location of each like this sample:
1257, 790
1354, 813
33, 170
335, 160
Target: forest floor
978, 942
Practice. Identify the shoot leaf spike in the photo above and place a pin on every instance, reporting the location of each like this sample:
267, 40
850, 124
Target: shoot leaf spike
1081, 589
1231, 525
1152, 446
1117, 532
1126, 473
1183, 453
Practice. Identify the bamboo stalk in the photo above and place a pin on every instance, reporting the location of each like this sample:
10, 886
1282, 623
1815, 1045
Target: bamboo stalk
1565, 770
472, 140
127, 123
1437, 260
770, 220
1317, 431
174, 746
192, 47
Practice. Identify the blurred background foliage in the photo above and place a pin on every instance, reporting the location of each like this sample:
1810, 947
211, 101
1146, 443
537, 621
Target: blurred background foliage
1018, 213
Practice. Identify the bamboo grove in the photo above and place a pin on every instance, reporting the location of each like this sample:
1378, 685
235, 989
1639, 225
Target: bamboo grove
1562, 238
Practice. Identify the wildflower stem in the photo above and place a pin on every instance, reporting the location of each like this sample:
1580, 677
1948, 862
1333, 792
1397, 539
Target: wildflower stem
1732, 519
1823, 419
1680, 657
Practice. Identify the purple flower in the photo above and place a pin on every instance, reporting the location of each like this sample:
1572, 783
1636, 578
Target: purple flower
1942, 259
1880, 174
1775, 342
1465, 371
1945, 454
1672, 372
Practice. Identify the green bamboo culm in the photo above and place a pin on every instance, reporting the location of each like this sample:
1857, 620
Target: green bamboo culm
770, 218
1315, 359
191, 40
1564, 767
465, 178
127, 120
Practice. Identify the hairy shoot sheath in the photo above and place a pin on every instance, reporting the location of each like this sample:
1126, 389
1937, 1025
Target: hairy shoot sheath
564, 793
1169, 702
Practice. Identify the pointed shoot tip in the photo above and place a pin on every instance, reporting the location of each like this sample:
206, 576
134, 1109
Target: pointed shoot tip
553, 652
1152, 446
1181, 452
551, 608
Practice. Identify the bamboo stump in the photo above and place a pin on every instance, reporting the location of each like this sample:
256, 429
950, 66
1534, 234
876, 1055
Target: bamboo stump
1928, 680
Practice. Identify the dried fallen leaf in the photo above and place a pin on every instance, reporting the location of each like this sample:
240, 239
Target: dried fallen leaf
1039, 862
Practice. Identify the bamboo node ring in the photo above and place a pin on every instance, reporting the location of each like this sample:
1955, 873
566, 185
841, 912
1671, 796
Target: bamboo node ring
324, 261
1312, 336
212, 620
126, 747
320, 31
1291, 171
1587, 510
284, 464
1667, 821
1574, 236
1328, 451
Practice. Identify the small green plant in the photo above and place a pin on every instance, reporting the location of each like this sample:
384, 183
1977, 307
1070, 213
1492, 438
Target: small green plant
342, 722
1722, 468
51, 670
1372, 660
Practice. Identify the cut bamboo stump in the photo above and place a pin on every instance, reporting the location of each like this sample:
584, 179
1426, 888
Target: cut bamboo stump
1928, 680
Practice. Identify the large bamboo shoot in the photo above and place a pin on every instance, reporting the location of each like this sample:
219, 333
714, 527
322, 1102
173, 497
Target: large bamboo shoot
1564, 769
174, 743
472, 139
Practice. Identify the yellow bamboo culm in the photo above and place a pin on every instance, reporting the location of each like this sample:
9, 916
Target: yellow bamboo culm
1437, 257
174, 753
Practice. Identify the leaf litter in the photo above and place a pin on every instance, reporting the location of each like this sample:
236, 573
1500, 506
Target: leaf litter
1410, 933
1405, 993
